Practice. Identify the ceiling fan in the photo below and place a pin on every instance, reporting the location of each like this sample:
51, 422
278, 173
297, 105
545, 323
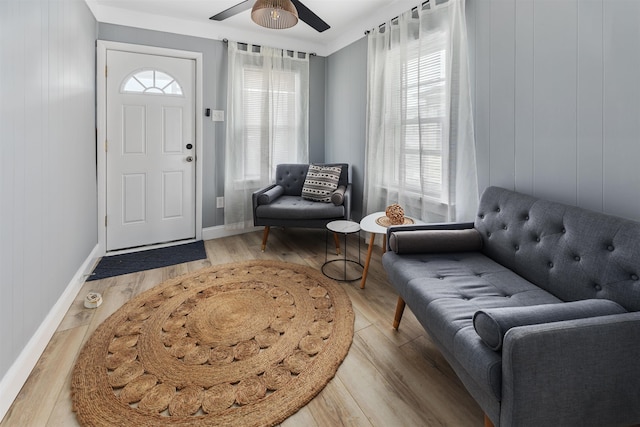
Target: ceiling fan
304, 13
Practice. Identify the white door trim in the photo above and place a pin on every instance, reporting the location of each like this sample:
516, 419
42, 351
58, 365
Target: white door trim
101, 120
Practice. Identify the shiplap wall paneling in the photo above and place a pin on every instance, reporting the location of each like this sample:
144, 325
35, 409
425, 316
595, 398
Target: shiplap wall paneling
28, 172
621, 181
482, 72
576, 110
554, 127
589, 104
523, 43
48, 199
502, 125
8, 152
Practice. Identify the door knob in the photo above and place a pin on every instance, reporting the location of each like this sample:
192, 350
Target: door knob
189, 158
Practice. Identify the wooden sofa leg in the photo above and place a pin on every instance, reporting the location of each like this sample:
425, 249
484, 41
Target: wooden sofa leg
487, 421
399, 310
337, 240
265, 236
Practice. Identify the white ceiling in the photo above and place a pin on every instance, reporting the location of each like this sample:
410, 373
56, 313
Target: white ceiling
348, 20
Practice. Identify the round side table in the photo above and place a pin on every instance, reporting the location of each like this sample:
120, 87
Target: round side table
331, 267
370, 224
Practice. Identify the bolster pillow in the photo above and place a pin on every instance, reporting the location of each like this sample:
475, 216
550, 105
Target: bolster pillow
492, 324
337, 197
434, 241
270, 195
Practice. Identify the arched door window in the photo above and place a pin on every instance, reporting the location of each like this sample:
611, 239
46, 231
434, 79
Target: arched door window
151, 82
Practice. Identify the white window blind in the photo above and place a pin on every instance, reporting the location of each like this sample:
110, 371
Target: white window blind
270, 118
425, 156
417, 123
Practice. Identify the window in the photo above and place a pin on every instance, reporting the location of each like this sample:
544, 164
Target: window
151, 82
270, 117
416, 122
424, 156
267, 122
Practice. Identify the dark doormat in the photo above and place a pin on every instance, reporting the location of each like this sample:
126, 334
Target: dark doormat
146, 260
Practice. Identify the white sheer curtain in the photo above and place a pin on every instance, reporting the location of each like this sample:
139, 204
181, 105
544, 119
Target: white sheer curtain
267, 122
420, 144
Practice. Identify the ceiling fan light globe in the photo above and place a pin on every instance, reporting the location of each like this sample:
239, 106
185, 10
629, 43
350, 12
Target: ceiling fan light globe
276, 14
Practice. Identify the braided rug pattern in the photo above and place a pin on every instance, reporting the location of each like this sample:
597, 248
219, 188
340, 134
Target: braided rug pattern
242, 344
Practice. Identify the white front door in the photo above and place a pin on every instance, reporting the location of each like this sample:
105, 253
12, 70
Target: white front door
150, 149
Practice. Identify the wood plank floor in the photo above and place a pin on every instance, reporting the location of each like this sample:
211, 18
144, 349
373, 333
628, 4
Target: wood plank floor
389, 378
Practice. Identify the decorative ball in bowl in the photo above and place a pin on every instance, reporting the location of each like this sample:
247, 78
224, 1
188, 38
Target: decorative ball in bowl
395, 213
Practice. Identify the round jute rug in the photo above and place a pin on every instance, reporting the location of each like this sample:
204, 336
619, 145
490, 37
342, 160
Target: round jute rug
243, 344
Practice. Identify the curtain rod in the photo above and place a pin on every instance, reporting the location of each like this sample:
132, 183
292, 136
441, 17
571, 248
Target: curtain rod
226, 41
413, 9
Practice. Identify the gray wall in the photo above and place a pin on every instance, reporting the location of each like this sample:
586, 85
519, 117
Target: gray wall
317, 80
556, 100
48, 202
215, 97
345, 114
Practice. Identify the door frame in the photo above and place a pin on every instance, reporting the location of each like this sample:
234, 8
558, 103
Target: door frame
102, 46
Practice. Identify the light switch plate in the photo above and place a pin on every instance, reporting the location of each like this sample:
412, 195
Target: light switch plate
217, 115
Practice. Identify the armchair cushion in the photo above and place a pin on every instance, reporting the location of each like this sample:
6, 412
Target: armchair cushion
492, 324
270, 195
337, 197
291, 208
320, 182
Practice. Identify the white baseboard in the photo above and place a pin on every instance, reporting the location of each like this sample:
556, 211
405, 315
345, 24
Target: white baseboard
222, 231
18, 373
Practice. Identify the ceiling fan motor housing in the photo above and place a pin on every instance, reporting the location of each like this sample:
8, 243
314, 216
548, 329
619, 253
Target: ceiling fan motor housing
276, 14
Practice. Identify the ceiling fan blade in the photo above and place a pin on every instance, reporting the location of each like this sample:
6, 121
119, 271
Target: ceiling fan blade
233, 10
306, 15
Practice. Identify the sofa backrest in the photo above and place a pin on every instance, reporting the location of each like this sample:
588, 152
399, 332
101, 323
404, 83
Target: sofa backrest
571, 252
291, 176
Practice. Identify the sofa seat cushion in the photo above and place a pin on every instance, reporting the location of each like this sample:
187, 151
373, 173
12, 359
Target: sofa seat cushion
295, 207
445, 290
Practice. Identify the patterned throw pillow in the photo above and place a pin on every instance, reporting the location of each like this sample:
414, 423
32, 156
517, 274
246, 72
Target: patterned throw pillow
321, 181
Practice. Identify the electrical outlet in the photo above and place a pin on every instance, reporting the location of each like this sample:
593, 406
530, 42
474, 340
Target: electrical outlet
217, 115
219, 202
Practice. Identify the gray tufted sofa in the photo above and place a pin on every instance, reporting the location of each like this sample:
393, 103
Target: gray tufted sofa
281, 204
532, 252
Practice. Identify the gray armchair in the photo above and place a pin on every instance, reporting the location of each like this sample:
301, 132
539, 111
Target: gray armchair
282, 205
